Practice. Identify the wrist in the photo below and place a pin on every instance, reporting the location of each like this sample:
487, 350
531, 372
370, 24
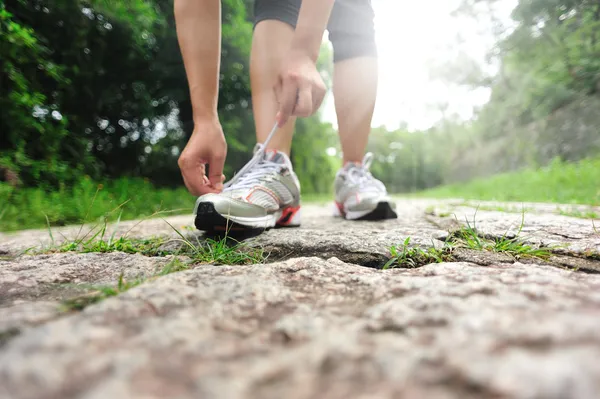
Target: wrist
305, 46
206, 117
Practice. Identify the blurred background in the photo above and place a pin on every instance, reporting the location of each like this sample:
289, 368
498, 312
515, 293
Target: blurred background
478, 99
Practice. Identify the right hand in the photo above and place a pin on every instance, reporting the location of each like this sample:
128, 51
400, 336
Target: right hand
206, 146
300, 89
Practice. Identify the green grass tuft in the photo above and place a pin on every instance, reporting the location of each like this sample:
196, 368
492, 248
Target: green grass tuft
203, 250
222, 251
99, 293
102, 292
405, 256
148, 247
468, 237
172, 267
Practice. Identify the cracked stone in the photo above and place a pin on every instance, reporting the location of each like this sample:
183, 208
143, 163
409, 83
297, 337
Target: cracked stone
308, 328
33, 286
314, 325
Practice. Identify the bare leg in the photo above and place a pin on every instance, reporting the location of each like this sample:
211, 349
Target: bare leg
354, 90
271, 42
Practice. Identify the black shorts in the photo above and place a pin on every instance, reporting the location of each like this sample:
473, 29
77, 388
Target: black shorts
351, 28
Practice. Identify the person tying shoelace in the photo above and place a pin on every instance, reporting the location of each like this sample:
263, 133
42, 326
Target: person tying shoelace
285, 85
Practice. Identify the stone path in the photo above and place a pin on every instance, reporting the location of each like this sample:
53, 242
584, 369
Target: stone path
318, 320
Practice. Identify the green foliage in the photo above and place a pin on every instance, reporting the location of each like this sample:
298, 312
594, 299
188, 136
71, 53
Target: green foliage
559, 182
33, 133
543, 105
406, 161
406, 256
98, 88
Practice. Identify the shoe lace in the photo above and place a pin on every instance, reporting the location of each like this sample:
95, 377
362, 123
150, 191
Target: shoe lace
250, 174
361, 176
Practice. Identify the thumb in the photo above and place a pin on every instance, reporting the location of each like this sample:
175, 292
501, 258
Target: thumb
216, 164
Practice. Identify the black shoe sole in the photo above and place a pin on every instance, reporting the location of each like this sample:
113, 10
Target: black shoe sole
382, 212
208, 219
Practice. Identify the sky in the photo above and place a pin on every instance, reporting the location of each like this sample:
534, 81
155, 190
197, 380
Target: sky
413, 35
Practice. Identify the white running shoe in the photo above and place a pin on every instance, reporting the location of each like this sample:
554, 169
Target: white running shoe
359, 196
264, 194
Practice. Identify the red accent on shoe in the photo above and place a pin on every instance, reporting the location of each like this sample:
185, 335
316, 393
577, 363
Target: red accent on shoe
340, 207
287, 215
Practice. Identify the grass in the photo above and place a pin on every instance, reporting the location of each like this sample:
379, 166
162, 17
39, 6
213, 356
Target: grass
201, 250
26, 208
468, 237
578, 214
7, 335
212, 251
88, 201
101, 292
405, 256
559, 182
206, 250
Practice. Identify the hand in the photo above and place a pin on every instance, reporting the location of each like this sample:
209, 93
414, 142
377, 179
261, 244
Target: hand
206, 146
300, 89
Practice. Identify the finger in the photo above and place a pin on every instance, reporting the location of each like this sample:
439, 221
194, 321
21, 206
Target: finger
217, 162
192, 173
189, 187
198, 192
287, 100
195, 180
304, 106
318, 94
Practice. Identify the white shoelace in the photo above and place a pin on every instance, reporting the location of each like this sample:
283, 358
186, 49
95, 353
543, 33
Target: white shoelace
362, 177
249, 175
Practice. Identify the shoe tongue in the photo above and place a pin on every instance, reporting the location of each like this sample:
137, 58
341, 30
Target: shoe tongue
352, 165
276, 157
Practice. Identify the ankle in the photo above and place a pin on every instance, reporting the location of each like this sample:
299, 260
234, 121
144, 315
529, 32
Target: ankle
357, 162
271, 148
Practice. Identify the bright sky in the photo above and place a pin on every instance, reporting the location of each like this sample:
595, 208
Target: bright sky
411, 36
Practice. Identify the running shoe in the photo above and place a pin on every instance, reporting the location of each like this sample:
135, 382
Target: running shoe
264, 194
359, 196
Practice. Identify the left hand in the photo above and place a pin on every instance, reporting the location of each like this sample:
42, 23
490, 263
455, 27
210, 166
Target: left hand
300, 89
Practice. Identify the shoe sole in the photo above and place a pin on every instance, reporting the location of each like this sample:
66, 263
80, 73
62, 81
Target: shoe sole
382, 211
209, 219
